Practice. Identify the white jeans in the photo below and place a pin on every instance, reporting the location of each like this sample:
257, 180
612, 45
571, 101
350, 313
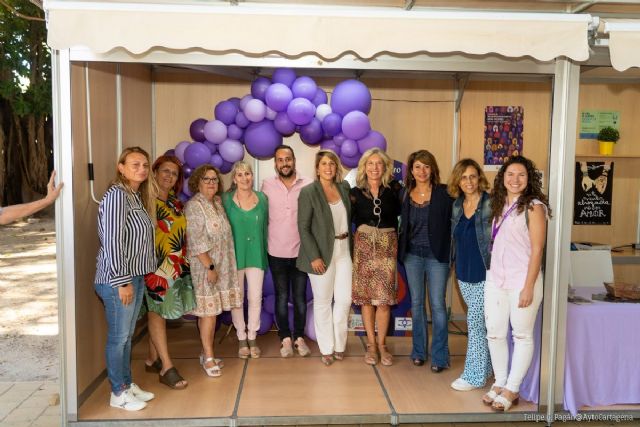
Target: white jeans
334, 284
500, 308
255, 276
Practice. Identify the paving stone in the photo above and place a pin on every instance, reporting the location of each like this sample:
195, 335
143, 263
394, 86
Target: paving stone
25, 415
47, 421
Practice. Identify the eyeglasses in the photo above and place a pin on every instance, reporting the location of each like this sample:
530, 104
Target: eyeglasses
207, 180
377, 209
168, 172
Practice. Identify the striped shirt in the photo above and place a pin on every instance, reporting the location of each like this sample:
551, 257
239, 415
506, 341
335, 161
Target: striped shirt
126, 238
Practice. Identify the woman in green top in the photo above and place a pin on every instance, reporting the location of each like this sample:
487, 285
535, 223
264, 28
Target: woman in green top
248, 212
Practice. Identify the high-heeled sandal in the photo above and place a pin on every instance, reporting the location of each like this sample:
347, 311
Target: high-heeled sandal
338, 355
213, 371
386, 358
254, 350
327, 359
371, 356
154, 367
502, 404
243, 349
491, 395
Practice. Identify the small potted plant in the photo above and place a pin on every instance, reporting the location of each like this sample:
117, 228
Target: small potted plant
607, 137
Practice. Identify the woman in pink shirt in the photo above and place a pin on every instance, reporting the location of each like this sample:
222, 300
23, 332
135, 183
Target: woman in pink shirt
513, 291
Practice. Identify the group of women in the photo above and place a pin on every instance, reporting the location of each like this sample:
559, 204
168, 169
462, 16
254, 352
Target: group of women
206, 249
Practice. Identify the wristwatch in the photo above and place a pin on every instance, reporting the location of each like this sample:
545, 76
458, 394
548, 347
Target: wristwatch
212, 267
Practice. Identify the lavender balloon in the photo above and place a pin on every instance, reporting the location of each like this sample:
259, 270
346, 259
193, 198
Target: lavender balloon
355, 125
283, 125
320, 97
226, 168
304, 87
278, 97
196, 130
183, 197
259, 87
373, 139
332, 124
226, 112
351, 95
285, 76
235, 132
349, 148
231, 150
255, 110
328, 144
241, 120
179, 150
310, 328
216, 160
312, 133
185, 187
197, 154
339, 139
350, 162
244, 100
322, 111
271, 114
261, 139
215, 131
269, 304
170, 152
211, 146
235, 101
266, 322
301, 111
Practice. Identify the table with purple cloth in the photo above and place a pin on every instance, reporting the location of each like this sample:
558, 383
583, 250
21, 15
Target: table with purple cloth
602, 347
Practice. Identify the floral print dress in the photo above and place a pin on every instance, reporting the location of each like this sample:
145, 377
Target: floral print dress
168, 290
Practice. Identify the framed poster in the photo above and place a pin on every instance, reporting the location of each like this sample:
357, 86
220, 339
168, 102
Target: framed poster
593, 191
503, 131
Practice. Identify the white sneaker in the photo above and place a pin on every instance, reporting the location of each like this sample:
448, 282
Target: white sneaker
140, 394
126, 401
462, 385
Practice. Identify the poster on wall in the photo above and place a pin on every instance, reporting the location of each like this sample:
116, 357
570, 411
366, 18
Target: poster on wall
594, 187
503, 131
591, 121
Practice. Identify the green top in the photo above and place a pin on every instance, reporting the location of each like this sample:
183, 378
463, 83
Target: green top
249, 231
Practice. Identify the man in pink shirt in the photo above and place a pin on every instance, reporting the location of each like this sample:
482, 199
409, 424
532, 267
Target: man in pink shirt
283, 242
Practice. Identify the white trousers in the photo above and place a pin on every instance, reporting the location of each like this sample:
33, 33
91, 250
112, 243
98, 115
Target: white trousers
334, 285
255, 276
500, 309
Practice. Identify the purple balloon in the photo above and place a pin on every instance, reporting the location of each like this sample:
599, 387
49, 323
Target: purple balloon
215, 131
328, 144
312, 133
349, 148
320, 97
235, 132
197, 154
226, 112
225, 317
261, 139
332, 124
339, 139
259, 87
285, 76
283, 125
226, 168
170, 152
216, 160
355, 125
269, 304
255, 110
183, 197
301, 111
271, 114
350, 95
373, 139
266, 322
185, 188
304, 87
310, 327
350, 162
196, 130
278, 97
267, 284
211, 146
309, 290
244, 100
235, 101
179, 150
241, 120
231, 150
187, 171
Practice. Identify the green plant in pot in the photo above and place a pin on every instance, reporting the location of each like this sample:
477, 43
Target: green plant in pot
607, 137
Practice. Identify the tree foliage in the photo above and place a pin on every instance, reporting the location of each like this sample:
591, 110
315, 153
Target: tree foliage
25, 102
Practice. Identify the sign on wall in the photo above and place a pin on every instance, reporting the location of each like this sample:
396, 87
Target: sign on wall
591, 121
594, 187
503, 135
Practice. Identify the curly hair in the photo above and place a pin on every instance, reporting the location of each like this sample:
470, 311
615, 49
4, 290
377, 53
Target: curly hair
361, 176
426, 158
453, 186
199, 173
177, 187
531, 192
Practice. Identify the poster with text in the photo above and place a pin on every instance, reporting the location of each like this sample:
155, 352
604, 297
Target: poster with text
594, 187
503, 130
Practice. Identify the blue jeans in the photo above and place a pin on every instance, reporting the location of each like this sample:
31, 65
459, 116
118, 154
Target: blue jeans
284, 271
436, 273
121, 323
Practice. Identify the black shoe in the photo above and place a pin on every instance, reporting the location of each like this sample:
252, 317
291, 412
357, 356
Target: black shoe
418, 362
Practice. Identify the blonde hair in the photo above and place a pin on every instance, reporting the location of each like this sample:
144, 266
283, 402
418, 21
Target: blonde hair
361, 176
148, 189
453, 186
239, 166
334, 158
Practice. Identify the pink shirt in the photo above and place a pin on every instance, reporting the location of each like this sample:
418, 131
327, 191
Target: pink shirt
511, 251
283, 239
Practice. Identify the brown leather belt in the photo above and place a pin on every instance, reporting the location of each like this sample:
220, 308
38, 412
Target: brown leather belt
342, 236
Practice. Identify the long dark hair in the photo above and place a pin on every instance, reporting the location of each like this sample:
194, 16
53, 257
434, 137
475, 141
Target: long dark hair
531, 192
426, 158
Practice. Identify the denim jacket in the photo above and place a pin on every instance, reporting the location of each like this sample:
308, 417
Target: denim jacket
482, 225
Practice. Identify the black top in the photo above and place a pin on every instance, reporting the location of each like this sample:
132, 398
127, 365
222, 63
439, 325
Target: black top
362, 206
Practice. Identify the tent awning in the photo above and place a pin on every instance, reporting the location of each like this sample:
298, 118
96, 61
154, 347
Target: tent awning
325, 31
624, 39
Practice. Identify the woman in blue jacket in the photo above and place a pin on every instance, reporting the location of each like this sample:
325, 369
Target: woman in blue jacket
471, 237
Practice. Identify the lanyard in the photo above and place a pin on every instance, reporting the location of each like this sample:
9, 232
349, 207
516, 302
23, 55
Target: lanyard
495, 227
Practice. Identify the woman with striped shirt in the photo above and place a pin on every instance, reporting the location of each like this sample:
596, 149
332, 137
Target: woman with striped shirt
126, 254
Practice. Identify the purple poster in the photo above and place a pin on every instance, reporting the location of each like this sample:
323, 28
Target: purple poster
503, 130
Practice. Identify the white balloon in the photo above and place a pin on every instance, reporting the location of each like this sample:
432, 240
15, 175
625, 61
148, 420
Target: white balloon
322, 111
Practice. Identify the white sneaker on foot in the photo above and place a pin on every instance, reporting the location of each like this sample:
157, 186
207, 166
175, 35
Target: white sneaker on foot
462, 385
140, 394
126, 401
286, 350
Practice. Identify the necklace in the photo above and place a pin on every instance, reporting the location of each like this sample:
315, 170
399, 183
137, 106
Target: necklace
249, 199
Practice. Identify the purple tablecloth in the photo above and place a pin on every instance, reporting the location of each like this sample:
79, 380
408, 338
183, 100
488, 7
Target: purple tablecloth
602, 347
